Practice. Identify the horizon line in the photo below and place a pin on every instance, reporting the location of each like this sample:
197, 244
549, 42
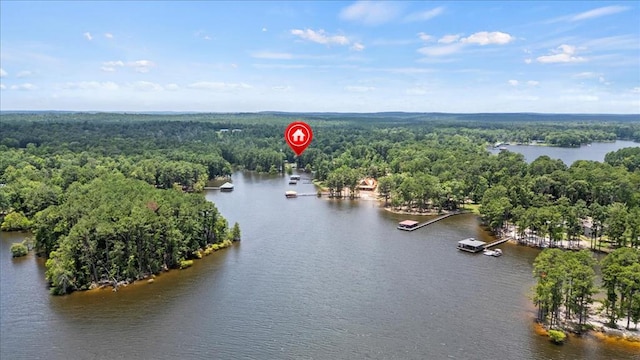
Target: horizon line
175, 112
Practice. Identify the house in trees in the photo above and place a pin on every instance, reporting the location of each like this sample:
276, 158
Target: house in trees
367, 184
587, 227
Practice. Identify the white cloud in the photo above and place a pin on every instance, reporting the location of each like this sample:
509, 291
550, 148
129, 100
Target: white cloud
359, 89
3, 73
424, 15
264, 29
146, 86
24, 74
440, 50
513, 82
320, 37
271, 55
528, 61
281, 66
281, 88
409, 70
486, 38
141, 66
2, 87
113, 63
90, 85
357, 47
172, 87
108, 35
595, 13
88, 36
110, 66
207, 85
636, 90
580, 98
370, 12
425, 37
448, 39
25, 86
586, 75
533, 83
201, 34
563, 54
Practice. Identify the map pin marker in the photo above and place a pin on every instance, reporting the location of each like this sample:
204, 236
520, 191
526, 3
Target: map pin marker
298, 135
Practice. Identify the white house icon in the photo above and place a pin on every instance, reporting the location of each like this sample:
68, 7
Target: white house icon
298, 136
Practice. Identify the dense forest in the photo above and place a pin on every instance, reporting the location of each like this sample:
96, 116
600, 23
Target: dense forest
115, 197
566, 286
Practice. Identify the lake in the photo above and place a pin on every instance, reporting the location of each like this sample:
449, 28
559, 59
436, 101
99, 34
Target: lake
594, 151
312, 279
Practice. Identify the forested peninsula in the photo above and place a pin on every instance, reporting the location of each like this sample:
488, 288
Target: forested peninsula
117, 197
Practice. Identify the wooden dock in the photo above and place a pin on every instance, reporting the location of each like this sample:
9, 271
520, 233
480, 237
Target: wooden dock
498, 242
429, 222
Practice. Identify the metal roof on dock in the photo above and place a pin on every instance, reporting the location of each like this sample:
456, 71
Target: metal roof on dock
472, 242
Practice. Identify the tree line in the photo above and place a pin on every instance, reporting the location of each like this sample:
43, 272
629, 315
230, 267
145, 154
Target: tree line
566, 286
422, 161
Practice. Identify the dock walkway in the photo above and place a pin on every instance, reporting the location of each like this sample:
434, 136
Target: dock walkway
429, 222
498, 242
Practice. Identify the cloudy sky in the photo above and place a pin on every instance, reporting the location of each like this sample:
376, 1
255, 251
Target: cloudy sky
364, 56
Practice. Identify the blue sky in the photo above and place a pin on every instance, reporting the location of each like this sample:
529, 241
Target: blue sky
473, 56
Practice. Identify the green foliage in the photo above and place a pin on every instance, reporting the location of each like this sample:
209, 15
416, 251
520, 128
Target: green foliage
557, 336
621, 281
19, 250
122, 230
235, 232
15, 221
564, 280
627, 157
185, 264
98, 187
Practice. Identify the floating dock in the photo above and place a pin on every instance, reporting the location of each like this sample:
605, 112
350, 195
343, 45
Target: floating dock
411, 227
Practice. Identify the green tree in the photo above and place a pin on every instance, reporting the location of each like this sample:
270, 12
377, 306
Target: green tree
235, 232
15, 221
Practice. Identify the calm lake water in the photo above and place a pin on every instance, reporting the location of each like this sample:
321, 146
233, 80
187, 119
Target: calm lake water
312, 279
595, 151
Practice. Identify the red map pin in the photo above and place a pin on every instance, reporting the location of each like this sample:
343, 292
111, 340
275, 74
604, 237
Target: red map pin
298, 135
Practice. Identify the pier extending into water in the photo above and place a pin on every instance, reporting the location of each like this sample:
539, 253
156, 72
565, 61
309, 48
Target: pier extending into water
498, 242
423, 224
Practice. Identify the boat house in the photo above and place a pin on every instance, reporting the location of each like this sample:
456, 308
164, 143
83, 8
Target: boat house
407, 225
226, 187
471, 245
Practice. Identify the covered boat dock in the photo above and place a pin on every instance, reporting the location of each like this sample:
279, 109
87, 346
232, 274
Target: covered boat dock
471, 245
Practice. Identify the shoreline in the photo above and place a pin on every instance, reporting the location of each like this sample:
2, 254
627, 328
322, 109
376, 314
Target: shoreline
150, 278
597, 329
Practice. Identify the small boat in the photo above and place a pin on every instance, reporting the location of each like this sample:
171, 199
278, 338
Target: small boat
291, 194
226, 187
293, 182
494, 253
